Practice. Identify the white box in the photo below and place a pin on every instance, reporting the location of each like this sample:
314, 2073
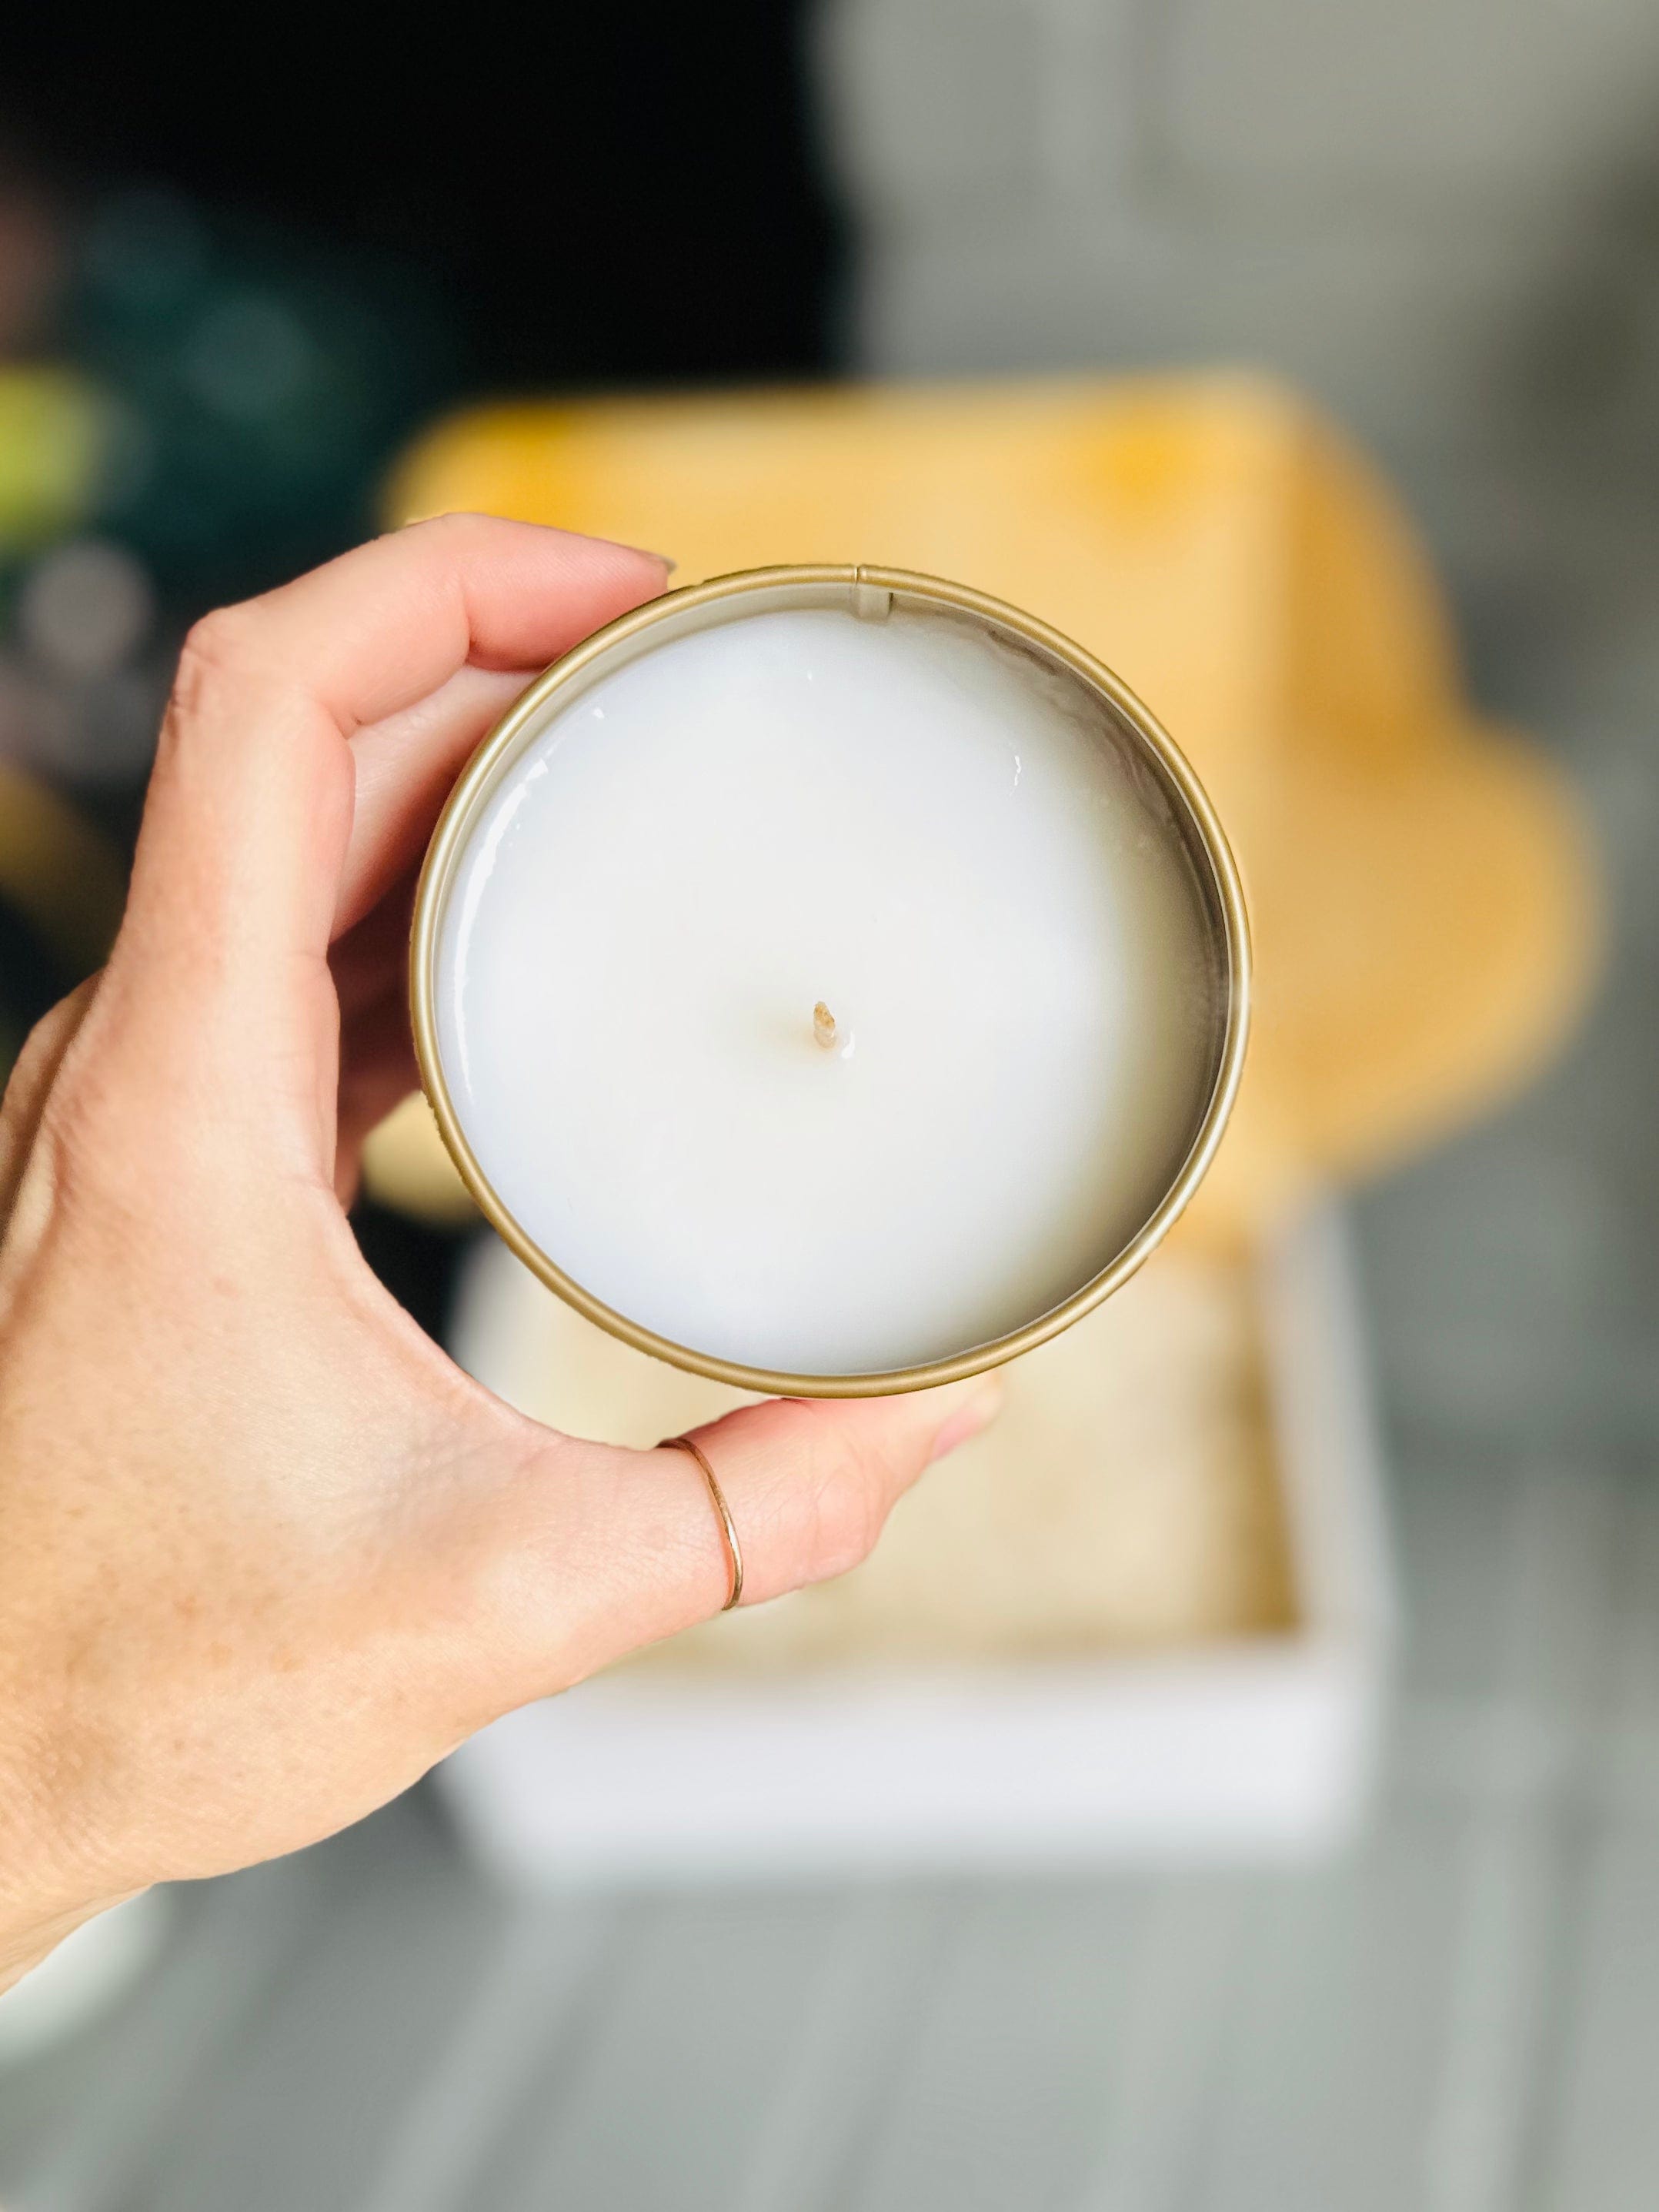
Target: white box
1263, 1745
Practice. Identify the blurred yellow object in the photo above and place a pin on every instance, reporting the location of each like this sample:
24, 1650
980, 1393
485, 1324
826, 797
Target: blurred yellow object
1422, 889
406, 1165
55, 430
60, 871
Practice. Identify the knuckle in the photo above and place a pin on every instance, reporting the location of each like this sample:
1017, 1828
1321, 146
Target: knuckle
220, 648
459, 526
82, 1129
450, 541
46, 1068
108, 1148
850, 1495
222, 638
41, 1050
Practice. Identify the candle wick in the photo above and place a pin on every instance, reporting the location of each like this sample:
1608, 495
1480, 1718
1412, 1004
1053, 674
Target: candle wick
823, 1026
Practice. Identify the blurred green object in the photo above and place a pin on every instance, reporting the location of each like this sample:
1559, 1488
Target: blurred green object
56, 434
259, 381
218, 402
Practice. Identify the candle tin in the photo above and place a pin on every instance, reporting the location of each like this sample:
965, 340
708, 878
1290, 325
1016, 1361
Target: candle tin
870, 594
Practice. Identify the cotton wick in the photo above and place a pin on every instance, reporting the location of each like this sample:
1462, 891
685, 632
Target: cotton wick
823, 1026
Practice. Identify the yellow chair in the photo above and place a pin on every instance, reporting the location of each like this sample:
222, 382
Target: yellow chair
1422, 889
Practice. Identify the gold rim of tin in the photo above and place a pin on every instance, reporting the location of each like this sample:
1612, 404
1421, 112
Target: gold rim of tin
456, 822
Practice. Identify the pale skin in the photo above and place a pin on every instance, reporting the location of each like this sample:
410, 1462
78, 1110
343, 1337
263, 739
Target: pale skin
265, 1553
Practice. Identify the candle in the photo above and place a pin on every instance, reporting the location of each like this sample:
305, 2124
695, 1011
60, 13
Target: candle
831, 982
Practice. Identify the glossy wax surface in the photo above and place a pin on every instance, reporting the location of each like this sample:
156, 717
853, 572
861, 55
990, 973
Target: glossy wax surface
940, 840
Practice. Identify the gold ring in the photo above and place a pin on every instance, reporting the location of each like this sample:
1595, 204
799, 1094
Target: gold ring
728, 1527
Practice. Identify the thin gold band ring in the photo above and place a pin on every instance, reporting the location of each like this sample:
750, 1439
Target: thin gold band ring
728, 1527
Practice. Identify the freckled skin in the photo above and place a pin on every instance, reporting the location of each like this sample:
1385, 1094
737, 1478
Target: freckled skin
265, 1553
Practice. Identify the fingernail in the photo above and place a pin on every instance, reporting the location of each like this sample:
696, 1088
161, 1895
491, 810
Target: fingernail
650, 555
980, 1410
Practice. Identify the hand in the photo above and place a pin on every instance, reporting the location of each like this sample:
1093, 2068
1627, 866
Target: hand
265, 1553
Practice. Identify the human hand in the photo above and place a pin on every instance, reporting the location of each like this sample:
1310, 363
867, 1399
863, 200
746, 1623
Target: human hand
265, 1553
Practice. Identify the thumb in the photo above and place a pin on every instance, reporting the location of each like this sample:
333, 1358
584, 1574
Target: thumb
617, 1549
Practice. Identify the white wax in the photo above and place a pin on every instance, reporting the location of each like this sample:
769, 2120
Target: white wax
907, 821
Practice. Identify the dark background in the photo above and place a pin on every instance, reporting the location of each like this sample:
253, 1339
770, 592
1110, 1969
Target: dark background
599, 195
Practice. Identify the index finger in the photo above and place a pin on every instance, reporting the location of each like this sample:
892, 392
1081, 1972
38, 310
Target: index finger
250, 808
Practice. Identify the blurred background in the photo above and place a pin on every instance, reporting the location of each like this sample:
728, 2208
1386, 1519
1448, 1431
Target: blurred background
255, 296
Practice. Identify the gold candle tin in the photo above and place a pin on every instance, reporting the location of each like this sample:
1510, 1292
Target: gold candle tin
871, 593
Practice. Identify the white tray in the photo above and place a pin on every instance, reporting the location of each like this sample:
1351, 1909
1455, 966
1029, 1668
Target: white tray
1257, 1746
